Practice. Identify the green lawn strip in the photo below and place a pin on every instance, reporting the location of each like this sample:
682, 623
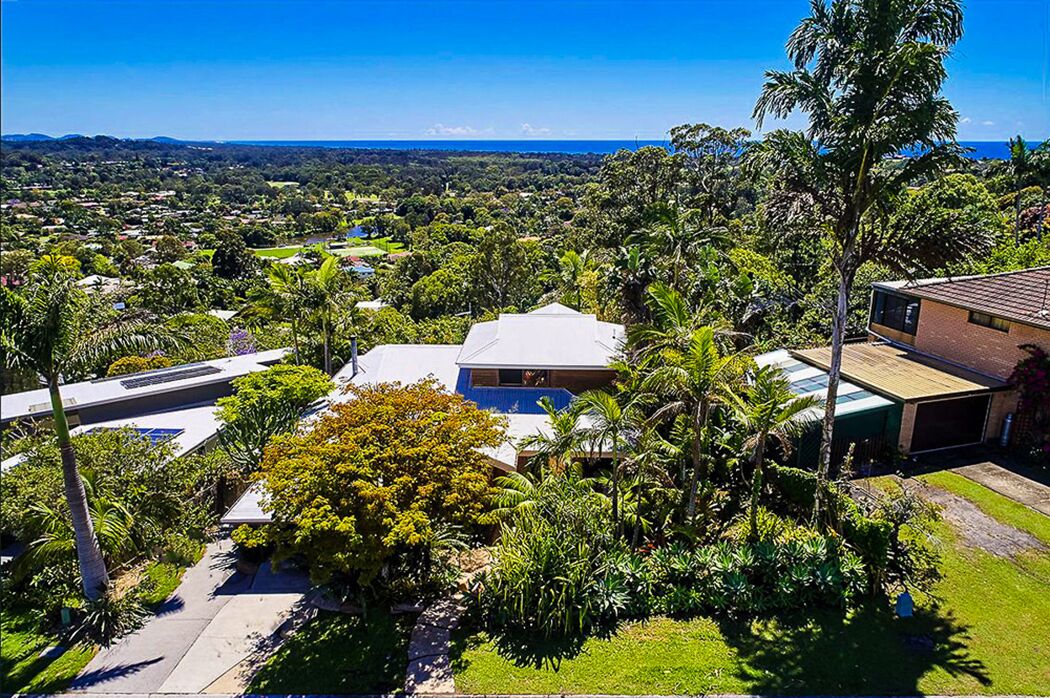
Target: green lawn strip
983, 633
992, 503
22, 670
339, 653
277, 252
162, 579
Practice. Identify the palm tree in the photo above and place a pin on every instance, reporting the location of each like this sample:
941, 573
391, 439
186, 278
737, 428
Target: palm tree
612, 420
673, 235
693, 383
327, 291
648, 460
50, 329
571, 268
554, 448
674, 322
868, 74
768, 409
283, 296
1020, 167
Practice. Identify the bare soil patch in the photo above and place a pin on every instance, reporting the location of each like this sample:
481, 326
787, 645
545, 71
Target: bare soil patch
976, 529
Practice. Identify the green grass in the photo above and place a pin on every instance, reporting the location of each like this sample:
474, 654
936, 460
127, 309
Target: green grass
987, 634
22, 670
162, 579
277, 252
338, 653
993, 503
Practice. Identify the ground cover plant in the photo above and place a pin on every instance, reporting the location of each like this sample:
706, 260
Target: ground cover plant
976, 633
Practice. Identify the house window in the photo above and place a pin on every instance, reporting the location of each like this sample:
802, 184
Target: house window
986, 320
527, 378
897, 312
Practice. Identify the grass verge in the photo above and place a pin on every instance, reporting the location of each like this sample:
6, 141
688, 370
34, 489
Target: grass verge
22, 669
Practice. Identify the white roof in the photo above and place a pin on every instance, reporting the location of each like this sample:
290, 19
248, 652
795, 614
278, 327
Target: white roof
403, 363
377, 304
550, 337
36, 403
198, 426
248, 508
222, 314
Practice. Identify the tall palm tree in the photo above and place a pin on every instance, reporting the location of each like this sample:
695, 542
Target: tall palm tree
868, 75
648, 461
612, 421
284, 296
674, 322
693, 383
768, 410
571, 267
673, 234
50, 329
327, 293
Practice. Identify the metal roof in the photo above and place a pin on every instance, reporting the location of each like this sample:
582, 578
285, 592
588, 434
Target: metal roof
37, 403
900, 373
550, 337
811, 380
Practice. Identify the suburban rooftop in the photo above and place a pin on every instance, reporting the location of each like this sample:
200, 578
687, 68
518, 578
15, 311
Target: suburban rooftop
1021, 296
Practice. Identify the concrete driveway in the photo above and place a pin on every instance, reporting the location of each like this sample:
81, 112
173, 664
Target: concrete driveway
215, 620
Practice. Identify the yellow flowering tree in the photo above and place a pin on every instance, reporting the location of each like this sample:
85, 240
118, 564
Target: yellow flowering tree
369, 489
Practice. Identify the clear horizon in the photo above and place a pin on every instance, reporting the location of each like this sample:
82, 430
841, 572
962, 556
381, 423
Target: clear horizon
453, 70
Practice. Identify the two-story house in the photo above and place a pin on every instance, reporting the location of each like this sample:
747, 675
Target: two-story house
942, 350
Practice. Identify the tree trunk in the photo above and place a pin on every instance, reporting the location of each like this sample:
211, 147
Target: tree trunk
694, 481
827, 432
327, 332
93, 573
756, 484
295, 338
636, 537
615, 488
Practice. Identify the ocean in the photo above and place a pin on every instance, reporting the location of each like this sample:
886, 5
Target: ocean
998, 150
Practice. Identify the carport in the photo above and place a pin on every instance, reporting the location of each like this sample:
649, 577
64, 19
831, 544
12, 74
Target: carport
943, 405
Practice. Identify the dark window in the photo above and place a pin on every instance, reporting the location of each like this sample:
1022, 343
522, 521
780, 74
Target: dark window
986, 320
529, 378
898, 312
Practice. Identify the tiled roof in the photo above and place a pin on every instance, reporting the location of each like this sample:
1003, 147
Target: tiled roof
1020, 296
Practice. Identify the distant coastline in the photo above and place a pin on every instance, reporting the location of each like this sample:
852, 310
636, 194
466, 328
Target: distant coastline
996, 150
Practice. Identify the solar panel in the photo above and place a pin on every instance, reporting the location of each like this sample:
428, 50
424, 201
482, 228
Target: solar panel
156, 436
850, 397
168, 376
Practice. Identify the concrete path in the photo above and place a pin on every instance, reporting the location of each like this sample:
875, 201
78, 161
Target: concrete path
240, 637
216, 621
429, 665
1009, 484
141, 662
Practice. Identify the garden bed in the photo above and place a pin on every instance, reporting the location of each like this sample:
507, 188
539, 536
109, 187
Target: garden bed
985, 636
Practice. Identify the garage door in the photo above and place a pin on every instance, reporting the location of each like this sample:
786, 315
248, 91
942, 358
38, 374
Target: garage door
948, 423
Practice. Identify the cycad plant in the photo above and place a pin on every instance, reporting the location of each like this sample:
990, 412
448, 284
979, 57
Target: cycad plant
768, 410
49, 328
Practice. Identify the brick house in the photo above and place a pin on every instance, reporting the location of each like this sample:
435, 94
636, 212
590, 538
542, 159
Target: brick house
942, 350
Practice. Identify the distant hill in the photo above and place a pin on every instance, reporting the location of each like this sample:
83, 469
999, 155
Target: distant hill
25, 137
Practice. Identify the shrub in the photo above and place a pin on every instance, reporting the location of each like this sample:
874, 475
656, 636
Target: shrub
108, 618
556, 570
136, 364
365, 493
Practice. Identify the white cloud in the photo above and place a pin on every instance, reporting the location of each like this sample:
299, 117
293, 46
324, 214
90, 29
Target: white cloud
443, 130
965, 120
530, 130
987, 123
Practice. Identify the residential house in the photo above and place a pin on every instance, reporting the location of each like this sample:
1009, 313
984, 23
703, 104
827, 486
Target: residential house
942, 351
505, 366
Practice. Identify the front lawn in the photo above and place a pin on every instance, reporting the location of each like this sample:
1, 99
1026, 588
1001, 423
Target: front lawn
22, 669
337, 653
987, 635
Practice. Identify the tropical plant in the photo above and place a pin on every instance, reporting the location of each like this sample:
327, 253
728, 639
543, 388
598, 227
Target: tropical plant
868, 74
327, 293
767, 410
554, 447
610, 424
48, 329
284, 296
693, 383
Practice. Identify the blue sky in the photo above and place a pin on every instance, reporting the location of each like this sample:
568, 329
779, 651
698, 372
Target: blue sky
269, 69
